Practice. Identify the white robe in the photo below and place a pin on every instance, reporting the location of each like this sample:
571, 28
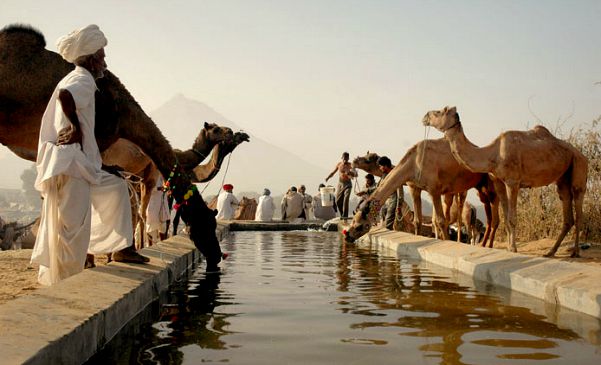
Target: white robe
85, 209
265, 208
157, 211
226, 205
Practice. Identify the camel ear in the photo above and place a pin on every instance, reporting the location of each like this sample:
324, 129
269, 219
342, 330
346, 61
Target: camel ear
445, 109
206, 125
453, 110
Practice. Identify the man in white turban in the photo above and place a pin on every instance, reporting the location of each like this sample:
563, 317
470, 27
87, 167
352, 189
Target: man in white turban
85, 209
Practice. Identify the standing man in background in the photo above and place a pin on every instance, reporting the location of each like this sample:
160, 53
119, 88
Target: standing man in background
343, 191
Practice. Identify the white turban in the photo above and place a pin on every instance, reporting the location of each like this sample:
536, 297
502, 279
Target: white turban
81, 42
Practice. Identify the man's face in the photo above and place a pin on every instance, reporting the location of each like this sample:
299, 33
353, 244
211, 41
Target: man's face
301, 190
99, 63
345, 157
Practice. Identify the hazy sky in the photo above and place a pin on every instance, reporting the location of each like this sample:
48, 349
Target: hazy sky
321, 77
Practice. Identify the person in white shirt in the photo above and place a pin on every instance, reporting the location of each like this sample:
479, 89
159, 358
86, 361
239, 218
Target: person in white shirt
86, 210
265, 207
226, 203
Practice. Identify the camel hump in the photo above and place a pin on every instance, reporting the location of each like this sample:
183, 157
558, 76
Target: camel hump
24, 34
541, 130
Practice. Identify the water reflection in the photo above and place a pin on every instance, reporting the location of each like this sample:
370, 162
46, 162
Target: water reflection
307, 297
190, 318
429, 307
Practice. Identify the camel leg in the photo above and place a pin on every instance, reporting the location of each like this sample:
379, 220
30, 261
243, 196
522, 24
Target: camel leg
441, 223
494, 222
565, 195
417, 209
511, 220
461, 200
578, 201
488, 212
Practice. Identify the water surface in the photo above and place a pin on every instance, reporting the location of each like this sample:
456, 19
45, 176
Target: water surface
307, 298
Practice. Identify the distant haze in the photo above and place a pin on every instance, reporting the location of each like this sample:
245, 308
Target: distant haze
253, 165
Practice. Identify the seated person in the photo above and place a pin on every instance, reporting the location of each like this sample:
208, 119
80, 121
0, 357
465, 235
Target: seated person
370, 187
292, 206
265, 207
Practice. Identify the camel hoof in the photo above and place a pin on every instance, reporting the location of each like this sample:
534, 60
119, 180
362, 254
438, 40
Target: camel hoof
549, 254
575, 255
89, 262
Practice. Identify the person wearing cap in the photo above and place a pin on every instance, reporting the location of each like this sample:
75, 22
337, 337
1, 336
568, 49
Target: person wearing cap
292, 206
324, 212
265, 207
86, 208
343, 191
226, 203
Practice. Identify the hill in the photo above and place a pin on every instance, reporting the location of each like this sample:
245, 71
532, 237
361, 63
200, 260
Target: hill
253, 166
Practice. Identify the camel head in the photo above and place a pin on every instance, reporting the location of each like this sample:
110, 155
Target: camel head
367, 162
362, 222
442, 120
212, 134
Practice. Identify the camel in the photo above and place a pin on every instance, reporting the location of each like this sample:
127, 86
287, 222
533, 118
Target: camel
369, 163
468, 219
246, 209
428, 165
29, 74
402, 221
522, 159
130, 158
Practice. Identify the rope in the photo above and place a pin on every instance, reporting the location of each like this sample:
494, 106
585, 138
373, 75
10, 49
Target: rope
223, 179
421, 163
134, 184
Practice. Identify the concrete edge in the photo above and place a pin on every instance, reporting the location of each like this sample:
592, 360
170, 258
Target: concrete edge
571, 285
69, 322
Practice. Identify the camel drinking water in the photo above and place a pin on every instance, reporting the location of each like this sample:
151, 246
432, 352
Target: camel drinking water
429, 165
521, 159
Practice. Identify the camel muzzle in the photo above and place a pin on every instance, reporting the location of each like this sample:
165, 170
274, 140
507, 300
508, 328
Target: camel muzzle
348, 238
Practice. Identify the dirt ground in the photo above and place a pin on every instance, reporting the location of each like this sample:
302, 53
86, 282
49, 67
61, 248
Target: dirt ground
18, 276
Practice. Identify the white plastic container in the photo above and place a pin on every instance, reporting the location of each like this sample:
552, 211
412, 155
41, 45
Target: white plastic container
327, 196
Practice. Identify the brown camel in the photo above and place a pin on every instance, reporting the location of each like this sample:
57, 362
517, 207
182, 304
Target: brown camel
246, 209
369, 163
29, 74
468, 219
522, 159
430, 166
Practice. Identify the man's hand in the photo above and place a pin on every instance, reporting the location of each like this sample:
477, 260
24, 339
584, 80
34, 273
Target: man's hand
69, 135
113, 169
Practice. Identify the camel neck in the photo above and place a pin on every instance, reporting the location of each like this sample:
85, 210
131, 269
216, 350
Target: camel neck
465, 152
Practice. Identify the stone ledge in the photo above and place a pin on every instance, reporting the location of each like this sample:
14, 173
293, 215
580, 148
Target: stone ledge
571, 285
69, 322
